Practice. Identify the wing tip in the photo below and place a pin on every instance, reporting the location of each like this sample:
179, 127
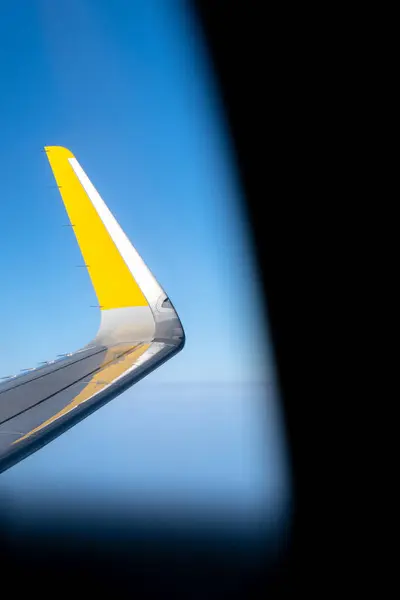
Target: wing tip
60, 150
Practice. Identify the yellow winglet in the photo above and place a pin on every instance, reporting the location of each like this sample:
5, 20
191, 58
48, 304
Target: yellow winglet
112, 280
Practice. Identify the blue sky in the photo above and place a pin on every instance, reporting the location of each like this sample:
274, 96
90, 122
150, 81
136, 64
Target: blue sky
126, 86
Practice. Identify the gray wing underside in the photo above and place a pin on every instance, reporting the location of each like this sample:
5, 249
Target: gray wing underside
38, 406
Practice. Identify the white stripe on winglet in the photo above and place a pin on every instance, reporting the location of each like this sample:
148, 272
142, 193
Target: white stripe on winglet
143, 276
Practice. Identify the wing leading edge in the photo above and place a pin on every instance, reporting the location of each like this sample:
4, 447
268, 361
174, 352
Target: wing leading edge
139, 328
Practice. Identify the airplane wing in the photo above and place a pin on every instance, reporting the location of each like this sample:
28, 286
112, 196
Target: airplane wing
139, 328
